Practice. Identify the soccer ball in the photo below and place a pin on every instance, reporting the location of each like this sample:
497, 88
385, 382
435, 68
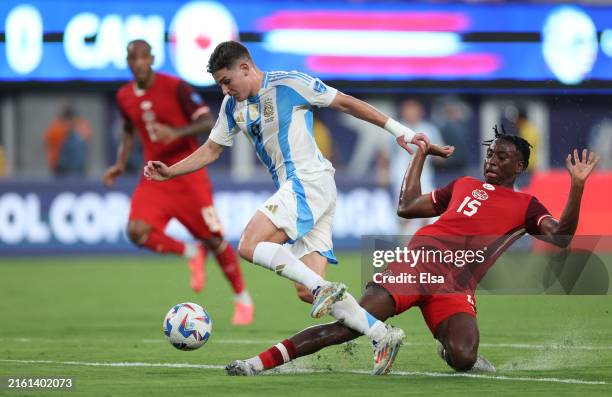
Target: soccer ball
187, 326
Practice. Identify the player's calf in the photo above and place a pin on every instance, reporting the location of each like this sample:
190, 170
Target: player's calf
308, 341
303, 293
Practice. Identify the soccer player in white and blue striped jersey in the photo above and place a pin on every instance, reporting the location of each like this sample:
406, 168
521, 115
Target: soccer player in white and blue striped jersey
291, 233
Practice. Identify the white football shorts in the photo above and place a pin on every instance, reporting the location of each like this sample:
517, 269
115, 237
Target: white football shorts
304, 209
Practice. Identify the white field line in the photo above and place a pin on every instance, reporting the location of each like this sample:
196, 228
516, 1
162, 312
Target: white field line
118, 364
311, 371
527, 346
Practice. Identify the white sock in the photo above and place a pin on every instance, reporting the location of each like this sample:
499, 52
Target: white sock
244, 297
191, 250
356, 317
256, 363
280, 260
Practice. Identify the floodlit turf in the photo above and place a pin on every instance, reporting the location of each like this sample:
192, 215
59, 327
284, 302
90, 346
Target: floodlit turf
91, 317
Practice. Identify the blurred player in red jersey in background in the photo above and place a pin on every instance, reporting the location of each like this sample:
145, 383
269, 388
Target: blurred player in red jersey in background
169, 114
474, 214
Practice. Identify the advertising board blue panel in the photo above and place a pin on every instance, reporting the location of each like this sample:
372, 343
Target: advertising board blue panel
69, 40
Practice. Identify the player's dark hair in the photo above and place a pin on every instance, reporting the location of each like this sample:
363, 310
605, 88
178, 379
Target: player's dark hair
521, 144
226, 54
140, 42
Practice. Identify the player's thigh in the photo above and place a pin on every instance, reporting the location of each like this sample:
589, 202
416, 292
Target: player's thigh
378, 302
260, 228
274, 221
198, 214
149, 210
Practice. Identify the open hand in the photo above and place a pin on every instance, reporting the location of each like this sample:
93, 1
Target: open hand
580, 169
157, 171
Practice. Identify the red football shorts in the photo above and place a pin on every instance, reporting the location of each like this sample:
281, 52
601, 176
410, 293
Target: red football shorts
189, 200
438, 300
436, 308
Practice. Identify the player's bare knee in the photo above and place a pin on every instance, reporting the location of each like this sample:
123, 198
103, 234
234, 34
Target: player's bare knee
304, 294
138, 232
462, 357
215, 244
464, 363
246, 249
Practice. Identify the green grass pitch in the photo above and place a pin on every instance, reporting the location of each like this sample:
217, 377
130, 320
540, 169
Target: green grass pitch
99, 319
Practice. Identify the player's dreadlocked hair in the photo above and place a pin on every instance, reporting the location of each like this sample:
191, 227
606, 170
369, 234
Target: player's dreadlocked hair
225, 54
521, 144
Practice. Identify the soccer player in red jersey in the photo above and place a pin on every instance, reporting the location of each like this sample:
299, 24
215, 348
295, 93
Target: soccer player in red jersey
168, 115
474, 214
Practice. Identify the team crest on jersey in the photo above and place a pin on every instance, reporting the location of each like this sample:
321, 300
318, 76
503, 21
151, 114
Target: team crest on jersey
488, 186
480, 194
253, 111
268, 110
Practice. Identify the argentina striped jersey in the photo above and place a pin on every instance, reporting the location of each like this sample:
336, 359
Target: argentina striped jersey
279, 123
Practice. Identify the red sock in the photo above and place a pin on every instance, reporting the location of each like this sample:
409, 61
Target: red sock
278, 354
163, 244
228, 261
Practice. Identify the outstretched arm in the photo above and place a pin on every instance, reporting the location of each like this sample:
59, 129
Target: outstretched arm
561, 233
194, 109
202, 125
203, 156
412, 203
364, 111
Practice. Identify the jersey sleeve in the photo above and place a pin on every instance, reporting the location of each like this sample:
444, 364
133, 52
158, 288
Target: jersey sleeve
225, 128
535, 214
313, 90
442, 197
191, 102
